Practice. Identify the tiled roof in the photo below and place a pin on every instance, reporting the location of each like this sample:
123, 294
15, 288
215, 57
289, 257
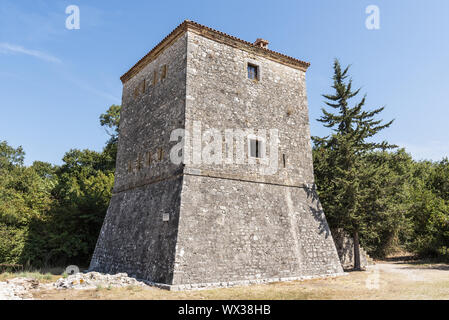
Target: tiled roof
215, 35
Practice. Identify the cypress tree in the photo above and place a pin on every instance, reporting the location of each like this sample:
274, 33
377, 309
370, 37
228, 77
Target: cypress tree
345, 151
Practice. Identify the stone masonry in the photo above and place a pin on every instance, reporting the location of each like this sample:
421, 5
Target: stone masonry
345, 248
197, 224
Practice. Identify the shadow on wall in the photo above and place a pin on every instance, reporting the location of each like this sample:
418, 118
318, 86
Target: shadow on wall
345, 248
316, 209
343, 241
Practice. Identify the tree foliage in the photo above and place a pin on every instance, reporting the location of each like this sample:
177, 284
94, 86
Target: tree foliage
110, 120
391, 201
353, 169
52, 215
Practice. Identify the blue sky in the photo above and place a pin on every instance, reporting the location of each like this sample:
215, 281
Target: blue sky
55, 82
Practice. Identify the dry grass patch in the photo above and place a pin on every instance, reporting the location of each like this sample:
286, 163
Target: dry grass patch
386, 280
37, 275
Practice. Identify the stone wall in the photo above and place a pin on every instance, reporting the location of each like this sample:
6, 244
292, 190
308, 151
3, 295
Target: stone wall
345, 248
235, 223
134, 238
148, 117
220, 96
233, 230
183, 225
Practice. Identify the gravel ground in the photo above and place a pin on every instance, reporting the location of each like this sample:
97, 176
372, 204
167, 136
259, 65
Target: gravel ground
93, 280
384, 280
18, 289
22, 288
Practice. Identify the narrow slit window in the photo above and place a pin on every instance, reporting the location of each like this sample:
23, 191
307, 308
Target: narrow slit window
144, 83
154, 78
160, 154
164, 72
148, 158
253, 72
255, 148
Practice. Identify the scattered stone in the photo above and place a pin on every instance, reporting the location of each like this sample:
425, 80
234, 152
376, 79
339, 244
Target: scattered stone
93, 280
21, 288
18, 289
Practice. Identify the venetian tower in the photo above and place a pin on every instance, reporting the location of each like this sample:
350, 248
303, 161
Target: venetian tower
202, 222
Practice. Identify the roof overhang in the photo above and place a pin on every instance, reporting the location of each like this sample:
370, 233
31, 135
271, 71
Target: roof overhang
215, 35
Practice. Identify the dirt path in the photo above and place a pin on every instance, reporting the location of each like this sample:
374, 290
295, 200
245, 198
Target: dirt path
385, 280
406, 280
416, 272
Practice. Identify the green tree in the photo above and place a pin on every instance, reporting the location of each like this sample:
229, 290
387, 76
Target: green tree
10, 156
110, 120
385, 209
85, 182
428, 209
25, 198
439, 179
345, 152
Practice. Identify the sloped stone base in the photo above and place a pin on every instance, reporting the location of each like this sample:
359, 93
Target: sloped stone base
230, 284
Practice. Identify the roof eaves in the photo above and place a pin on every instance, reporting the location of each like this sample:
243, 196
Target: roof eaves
194, 26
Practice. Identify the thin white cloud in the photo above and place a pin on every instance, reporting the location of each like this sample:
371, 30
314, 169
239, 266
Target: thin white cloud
7, 48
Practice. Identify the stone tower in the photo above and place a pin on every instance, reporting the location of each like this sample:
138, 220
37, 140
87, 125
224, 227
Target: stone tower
241, 207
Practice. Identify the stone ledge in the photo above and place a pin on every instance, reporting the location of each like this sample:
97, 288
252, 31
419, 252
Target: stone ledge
229, 284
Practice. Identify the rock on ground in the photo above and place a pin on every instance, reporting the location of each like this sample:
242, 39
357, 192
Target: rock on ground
92, 280
20, 288
17, 288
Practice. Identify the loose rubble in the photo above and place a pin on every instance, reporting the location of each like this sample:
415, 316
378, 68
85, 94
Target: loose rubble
93, 280
17, 289
21, 288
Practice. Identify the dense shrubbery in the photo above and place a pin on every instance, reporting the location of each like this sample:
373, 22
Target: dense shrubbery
51, 215
408, 207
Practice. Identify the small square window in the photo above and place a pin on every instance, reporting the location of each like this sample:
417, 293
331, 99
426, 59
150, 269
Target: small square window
255, 148
253, 72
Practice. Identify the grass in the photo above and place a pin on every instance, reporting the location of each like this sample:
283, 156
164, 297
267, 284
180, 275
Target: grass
44, 275
37, 275
394, 279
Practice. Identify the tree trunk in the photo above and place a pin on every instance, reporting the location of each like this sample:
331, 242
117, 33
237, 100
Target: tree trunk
357, 265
